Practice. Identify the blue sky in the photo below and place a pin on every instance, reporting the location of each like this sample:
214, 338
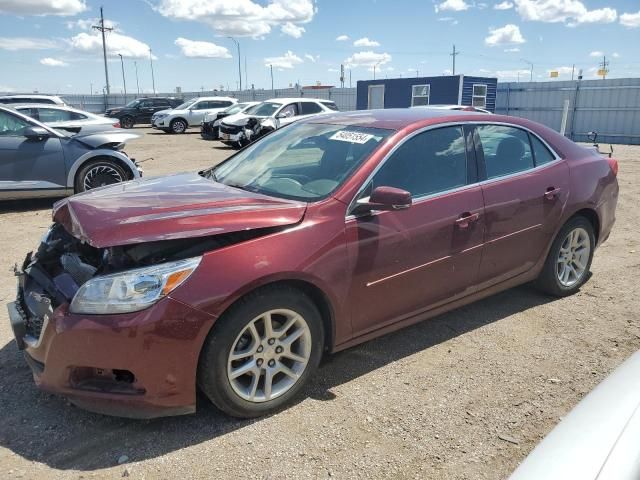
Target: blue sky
48, 45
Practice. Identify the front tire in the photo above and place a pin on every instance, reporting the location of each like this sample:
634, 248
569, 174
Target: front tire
127, 122
567, 265
178, 126
261, 352
98, 173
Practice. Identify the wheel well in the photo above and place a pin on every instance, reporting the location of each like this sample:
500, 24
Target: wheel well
592, 216
178, 118
315, 294
108, 158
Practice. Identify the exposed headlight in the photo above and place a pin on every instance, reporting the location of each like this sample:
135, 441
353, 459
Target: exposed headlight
131, 290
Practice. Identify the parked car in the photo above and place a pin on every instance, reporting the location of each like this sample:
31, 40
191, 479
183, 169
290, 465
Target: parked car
211, 123
598, 439
141, 110
190, 114
65, 118
45, 99
324, 234
466, 108
39, 161
268, 116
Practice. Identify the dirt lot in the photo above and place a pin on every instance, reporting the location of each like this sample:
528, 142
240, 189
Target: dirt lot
436, 400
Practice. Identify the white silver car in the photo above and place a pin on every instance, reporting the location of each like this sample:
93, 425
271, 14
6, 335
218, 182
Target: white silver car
190, 114
32, 98
276, 112
599, 439
66, 118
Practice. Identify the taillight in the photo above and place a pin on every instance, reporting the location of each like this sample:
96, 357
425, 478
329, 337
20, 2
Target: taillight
117, 125
613, 163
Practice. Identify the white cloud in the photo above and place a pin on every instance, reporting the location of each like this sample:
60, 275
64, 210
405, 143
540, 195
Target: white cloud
292, 30
452, 5
288, 60
507, 35
365, 42
53, 62
311, 58
26, 43
5, 89
332, 70
452, 20
87, 23
241, 17
342, 38
615, 55
42, 7
596, 53
631, 20
512, 50
367, 59
197, 49
512, 74
506, 5
117, 43
571, 12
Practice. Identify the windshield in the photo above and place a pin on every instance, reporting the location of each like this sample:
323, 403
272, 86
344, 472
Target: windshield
265, 109
186, 104
235, 108
304, 161
132, 103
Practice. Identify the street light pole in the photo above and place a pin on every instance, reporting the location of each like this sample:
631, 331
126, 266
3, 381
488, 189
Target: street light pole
374, 69
271, 68
124, 81
135, 64
531, 65
153, 78
239, 68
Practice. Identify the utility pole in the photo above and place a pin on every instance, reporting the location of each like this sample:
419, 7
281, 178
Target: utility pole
153, 78
374, 69
349, 78
603, 67
573, 69
246, 81
454, 55
124, 81
103, 29
239, 69
135, 63
271, 68
531, 65
417, 73
341, 75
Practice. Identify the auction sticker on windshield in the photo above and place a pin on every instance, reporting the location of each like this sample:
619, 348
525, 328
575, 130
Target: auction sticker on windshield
353, 137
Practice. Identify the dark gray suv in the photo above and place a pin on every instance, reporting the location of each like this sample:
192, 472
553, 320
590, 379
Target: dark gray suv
141, 110
38, 161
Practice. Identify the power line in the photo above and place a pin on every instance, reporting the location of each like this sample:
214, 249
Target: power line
101, 28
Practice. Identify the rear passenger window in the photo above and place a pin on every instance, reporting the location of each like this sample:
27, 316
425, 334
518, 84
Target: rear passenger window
506, 150
541, 153
309, 108
430, 162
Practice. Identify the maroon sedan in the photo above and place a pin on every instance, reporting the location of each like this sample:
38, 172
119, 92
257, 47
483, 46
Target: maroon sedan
322, 235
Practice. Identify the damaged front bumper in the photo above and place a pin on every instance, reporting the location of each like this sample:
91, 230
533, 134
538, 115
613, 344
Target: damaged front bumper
141, 364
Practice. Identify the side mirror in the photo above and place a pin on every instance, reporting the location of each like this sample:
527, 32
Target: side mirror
384, 199
36, 133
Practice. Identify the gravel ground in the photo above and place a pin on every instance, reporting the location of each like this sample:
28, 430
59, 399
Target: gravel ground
466, 395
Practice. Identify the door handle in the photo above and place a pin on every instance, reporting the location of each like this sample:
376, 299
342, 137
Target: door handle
551, 193
466, 219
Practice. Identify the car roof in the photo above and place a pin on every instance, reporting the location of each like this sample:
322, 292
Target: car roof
399, 118
214, 98
35, 95
42, 105
292, 99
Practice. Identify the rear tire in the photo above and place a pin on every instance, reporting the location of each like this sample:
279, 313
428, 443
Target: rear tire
567, 265
98, 173
127, 122
263, 355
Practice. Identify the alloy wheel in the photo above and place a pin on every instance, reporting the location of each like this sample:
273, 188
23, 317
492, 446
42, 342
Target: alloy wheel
573, 257
101, 175
178, 126
269, 355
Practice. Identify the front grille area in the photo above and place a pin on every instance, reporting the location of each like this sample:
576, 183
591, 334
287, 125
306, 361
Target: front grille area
33, 323
230, 129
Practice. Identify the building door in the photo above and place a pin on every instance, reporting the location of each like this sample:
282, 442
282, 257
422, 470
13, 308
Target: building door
376, 96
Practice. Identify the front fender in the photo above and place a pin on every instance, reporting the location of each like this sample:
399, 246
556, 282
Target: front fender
101, 152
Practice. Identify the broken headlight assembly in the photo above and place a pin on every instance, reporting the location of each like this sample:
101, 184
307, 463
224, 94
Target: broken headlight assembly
131, 290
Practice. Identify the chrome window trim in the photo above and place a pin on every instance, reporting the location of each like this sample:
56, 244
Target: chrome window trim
352, 204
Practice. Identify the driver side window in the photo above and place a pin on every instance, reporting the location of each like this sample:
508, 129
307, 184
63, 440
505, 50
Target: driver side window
430, 162
11, 126
290, 110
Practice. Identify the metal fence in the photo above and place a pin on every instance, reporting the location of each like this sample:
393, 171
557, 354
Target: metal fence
345, 98
609, 107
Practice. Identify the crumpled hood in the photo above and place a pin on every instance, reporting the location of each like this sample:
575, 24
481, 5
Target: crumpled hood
166, 208
163, 112
239, 119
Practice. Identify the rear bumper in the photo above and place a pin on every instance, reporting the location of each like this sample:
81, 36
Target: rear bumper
607, 212
138, 365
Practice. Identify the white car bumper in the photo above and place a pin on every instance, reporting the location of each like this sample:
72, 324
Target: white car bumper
231, 138
160, 123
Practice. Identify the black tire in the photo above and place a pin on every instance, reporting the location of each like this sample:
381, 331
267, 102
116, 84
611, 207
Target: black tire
112, 171
548, 280
178, 125
127, 122
212, 370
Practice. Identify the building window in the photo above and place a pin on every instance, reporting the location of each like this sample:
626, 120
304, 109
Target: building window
420, 95
479, 96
